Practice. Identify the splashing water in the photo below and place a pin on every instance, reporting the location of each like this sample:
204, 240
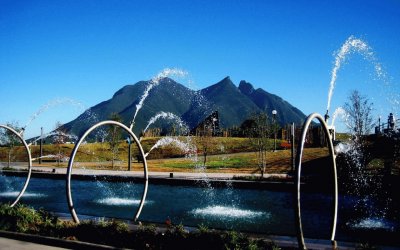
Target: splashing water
154, 82
352, 45
170, 116
224, 211
115, 201
26, 194
185, 147
339, 112
372, 223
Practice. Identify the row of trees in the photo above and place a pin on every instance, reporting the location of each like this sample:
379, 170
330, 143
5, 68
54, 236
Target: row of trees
9, 140
259, 128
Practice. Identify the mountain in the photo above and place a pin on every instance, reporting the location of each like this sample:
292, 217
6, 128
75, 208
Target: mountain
168, 96
234, 105
286, 113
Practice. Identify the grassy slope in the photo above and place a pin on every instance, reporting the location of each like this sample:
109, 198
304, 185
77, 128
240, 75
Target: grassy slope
231, 155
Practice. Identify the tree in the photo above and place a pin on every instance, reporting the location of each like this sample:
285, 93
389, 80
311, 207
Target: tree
114, 136
352, 164
359, 110
204, 138
59, 138
259, 129
205, 133
10, 140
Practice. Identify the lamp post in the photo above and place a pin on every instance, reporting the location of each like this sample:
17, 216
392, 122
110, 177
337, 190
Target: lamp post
41, 145
274, 112
129, 141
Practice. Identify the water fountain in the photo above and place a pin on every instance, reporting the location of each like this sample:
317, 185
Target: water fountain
249, 206
19, 135
14, 134
351, 45
168, 115
71, 162
300, 234
154, 82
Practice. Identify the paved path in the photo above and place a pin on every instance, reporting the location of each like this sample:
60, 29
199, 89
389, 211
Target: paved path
10, 244
185, 175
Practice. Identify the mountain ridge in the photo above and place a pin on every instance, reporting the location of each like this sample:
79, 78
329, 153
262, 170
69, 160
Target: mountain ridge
233, 103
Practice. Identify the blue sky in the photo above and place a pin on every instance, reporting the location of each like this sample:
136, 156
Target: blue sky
54, 51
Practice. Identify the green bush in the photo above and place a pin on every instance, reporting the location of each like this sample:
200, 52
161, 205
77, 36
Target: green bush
116, 233
27, 220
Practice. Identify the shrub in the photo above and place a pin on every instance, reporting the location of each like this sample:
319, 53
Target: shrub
116, 233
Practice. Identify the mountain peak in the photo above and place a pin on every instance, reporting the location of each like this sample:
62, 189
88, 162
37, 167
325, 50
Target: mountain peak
223, 85
246, 87
226, 80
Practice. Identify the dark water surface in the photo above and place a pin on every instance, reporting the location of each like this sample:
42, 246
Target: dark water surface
261, 211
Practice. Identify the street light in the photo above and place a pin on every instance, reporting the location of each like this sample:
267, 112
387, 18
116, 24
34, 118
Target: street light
274, 112
129, 141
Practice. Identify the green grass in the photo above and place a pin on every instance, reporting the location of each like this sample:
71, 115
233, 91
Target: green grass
228, 162
214, 162
101, 151
343, 136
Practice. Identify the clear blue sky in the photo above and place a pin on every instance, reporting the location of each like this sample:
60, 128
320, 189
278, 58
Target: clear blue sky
87, 50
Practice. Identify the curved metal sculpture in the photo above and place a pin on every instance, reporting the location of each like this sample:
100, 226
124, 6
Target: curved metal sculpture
29, 163
71, 162
300, 235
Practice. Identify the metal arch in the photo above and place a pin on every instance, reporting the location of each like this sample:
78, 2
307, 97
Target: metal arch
300, 235
71, 162
29, 164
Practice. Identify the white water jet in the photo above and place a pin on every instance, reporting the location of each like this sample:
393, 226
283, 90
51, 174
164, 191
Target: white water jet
56, 156
54, 133
154, 82
167, 115
339, 112
185, 147
351, 45
53, 103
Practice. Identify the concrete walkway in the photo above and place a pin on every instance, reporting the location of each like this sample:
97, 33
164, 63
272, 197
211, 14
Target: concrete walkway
10, 244
18, 241
184, 175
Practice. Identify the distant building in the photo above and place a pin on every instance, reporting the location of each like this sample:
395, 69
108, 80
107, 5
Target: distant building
390, 126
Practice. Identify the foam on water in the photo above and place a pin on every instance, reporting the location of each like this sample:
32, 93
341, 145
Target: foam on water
16, 193
115, 201
371, 223
224, 211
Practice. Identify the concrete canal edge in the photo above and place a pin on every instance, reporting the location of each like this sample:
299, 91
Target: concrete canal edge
177, 179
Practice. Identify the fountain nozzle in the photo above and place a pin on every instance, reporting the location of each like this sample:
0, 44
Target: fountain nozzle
21, 133
131, 125
326, 116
